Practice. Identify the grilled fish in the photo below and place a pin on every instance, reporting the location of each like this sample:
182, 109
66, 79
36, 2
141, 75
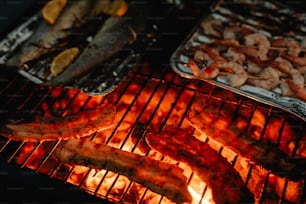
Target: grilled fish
46, 36
76, 125
225, 183
219, 129
160, 177
115, 33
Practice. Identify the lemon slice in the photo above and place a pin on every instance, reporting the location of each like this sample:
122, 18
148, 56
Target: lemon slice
111, 7
52, 10
63, 60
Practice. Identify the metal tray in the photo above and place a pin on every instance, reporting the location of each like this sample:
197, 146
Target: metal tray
100, 81
282, 22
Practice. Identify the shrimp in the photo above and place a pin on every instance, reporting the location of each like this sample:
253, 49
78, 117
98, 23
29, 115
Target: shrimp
267, 79
302, 69
235, 32
295, 85
300, 61
260, 40
201, 57
239, 77
284, 65
227, 42
210, 57
285, 88
235, 55
200, 65
297, 78
299, 91
253, 68
209, 72
212, 27
224, 44
292, 45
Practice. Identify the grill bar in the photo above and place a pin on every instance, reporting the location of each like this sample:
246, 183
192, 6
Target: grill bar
214, 95
153, 99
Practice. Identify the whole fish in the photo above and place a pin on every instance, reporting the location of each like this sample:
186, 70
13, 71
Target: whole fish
115, 33
46, 36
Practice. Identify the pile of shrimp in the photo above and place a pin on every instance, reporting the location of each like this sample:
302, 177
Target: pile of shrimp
246, 56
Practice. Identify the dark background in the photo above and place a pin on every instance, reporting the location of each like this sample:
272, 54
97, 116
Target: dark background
23, 186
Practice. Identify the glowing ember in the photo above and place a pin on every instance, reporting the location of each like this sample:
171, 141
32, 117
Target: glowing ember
147, 105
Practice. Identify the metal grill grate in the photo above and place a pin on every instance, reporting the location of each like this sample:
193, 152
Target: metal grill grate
146, 100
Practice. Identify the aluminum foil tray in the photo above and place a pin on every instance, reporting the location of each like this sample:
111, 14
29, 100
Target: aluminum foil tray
100, 81
269, 18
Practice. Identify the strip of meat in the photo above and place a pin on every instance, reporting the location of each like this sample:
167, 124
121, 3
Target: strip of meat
160, 177
225, 183
218, 128
75, 125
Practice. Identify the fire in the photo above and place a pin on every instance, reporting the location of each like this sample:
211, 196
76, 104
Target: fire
29, 148
144, 106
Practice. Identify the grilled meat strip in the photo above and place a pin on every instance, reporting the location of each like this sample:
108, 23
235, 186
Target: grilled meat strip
225, 183
115, 33
218, 128
160, 177
54, 128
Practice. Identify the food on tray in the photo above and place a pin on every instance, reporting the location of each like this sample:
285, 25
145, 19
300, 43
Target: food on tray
76, 125
218, 128
111, 7
115, 33
253, 48
225, 183
52, 9
46, 37
63, 60
245, 56
160, 177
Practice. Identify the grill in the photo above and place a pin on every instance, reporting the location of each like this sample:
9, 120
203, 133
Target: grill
150, 97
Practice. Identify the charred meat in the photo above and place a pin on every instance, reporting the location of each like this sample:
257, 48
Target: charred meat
218, 128
160, 177
225, 183
76, 125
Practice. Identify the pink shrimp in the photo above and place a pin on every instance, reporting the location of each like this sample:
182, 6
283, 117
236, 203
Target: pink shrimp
267, 79
235, 32
227, 42
297, 89
235, 55
212, 27
285, 88
284, 65
208, 72
292, 45
253, 68
201, 57
297, 78
239, 75
260, 40
302, 69
300, 61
